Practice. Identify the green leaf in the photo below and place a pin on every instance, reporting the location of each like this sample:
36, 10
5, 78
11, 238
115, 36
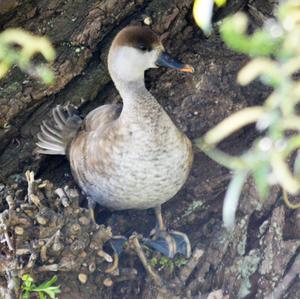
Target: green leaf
260, 175
296, 167
47, 288
45, 74
27, 278
180, 262
27, 281
48, 283
220, 157
154, 261
52, 291
231, 199
260, 43
29, 46
220, 3
202, 12
26, 295
42, 295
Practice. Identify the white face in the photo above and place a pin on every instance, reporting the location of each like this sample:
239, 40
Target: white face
129, 64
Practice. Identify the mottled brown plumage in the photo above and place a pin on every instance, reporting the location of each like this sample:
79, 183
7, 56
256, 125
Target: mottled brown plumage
132, 157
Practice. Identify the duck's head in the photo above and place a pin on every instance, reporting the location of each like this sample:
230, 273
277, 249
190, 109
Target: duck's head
136, 49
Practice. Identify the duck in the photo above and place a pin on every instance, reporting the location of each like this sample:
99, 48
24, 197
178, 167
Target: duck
129, 156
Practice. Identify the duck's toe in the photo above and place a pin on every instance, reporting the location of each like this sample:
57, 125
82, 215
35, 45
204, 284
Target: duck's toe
183, 245
170, 243
117, 243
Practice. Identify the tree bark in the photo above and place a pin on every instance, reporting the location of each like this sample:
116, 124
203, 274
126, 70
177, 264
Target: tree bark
248, 263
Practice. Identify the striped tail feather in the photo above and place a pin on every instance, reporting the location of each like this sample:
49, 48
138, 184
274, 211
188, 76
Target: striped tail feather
53, 139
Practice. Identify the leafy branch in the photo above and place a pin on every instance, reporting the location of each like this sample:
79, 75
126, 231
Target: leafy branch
18, 47
275, 60
43, 290
203, 11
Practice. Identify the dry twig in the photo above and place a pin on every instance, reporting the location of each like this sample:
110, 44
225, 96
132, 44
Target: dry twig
135, 245
31, 187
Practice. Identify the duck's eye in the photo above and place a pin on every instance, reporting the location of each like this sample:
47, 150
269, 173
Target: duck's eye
143, 47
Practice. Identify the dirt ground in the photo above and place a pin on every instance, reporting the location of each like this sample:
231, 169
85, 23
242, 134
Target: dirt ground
45, 220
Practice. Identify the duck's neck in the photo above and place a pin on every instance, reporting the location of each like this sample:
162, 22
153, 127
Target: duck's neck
138, 103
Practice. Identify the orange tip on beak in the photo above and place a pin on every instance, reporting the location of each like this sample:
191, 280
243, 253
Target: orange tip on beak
167, 61
187, 69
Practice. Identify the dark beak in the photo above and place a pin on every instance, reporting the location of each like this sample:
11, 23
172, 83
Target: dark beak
167, 61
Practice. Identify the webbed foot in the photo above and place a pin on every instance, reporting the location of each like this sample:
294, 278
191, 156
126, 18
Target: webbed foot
168, 242
117, 243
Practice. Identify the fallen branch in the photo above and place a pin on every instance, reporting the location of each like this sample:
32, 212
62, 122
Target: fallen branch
135, 245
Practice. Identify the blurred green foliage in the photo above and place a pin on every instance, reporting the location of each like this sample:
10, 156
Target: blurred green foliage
202, 12
275, 52
44, 290
18, 47
260, 43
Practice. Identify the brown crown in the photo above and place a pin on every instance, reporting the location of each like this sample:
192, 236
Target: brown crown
138, 37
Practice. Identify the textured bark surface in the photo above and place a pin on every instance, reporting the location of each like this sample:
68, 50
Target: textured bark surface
250, 262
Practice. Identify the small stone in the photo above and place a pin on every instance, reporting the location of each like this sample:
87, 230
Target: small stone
22, 251
92, 267
57, 246
147, 21
41, 220
72, 193
10, 201
82, 278
105, 255
29, 213
63, 197
75, 228
108, 282
35, 200
19, 230
84, 220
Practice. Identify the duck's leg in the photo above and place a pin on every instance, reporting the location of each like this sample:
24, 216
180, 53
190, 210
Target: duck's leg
91, 206
168, 242
117, 243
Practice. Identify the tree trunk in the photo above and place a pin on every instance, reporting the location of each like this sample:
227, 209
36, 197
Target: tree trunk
262, 252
